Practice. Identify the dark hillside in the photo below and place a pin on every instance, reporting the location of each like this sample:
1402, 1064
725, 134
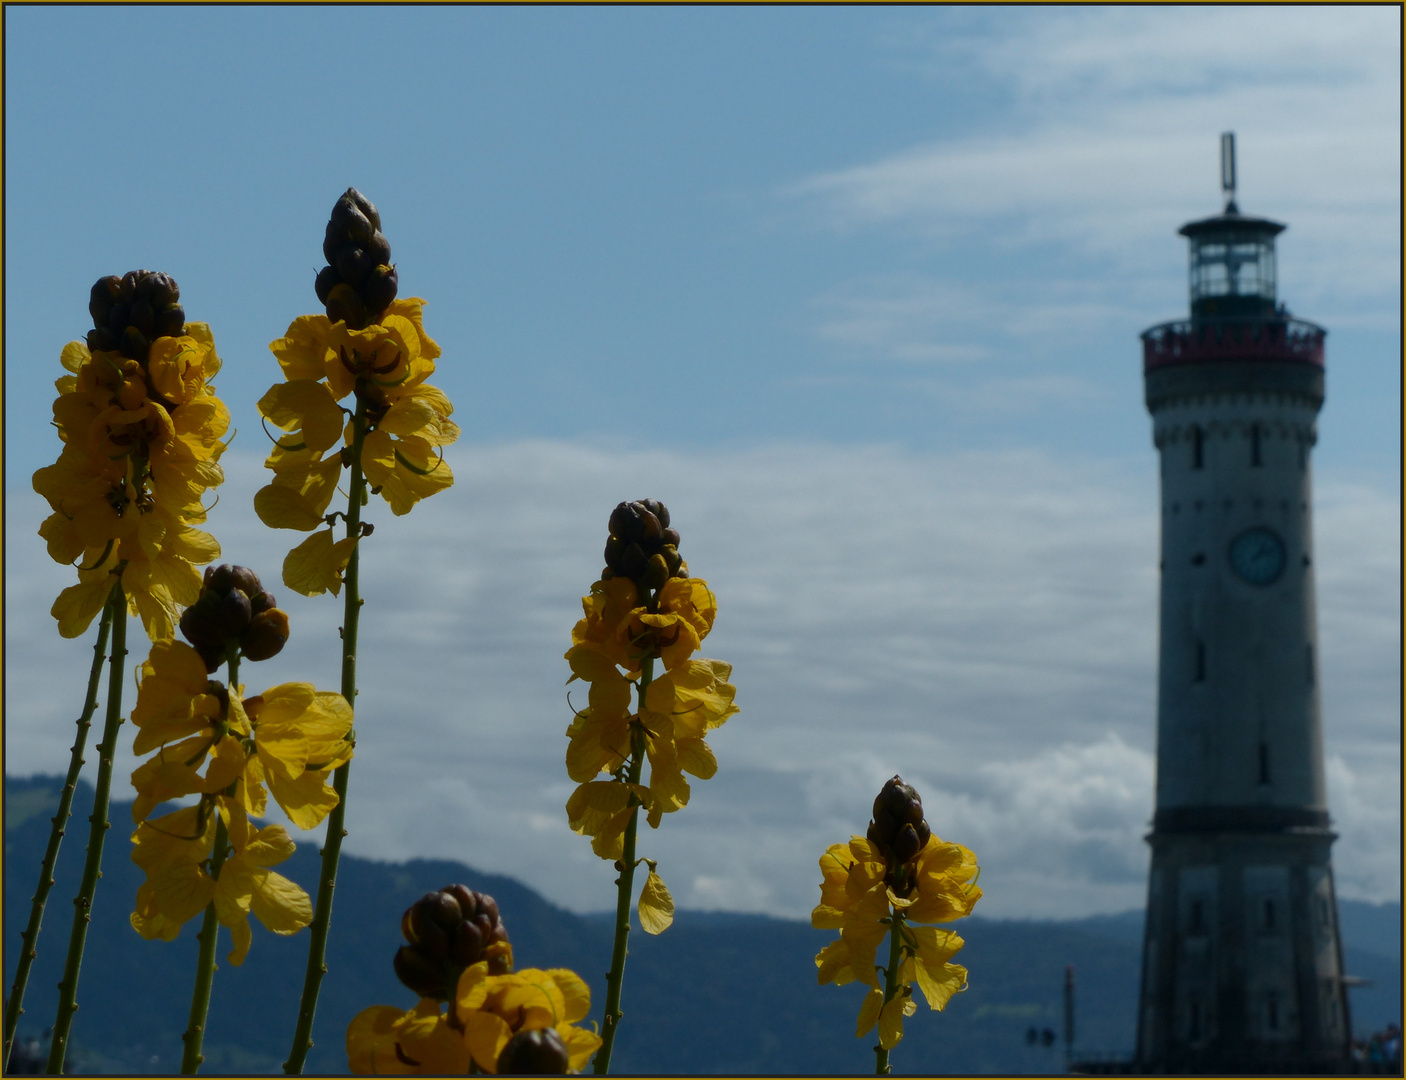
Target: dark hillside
717, 993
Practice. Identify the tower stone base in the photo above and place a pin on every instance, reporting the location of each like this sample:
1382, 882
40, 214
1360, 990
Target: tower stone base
1242, 966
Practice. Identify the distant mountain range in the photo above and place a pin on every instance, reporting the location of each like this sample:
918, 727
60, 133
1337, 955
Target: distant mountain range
717, 993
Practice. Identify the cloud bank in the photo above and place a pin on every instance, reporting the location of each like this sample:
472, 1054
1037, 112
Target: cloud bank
982, 623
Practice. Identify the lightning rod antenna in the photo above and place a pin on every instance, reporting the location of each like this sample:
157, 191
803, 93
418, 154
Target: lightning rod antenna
1227, 171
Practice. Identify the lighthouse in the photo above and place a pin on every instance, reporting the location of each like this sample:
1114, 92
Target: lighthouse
1242, 963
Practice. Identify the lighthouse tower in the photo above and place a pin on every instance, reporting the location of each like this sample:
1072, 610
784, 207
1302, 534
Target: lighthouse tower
1241, 958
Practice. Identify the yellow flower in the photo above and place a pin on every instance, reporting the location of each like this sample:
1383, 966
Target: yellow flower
682, 705
247, 886
624, 631
172, 851
855, 900
289, 738
407, 422
384, 1040
494, 1008
141, 447
300, 737
487, 1012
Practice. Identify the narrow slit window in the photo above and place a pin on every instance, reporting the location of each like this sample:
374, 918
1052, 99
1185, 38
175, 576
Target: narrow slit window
1197, 448
1194, 1019
1197, 920
1272, 1012
1269, 914
1200, 661
1264, 762
1255, 445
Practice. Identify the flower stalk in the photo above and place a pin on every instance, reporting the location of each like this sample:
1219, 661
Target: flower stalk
892, 985
332, 846
15, 1006
194, 1037
625, 884
83, 903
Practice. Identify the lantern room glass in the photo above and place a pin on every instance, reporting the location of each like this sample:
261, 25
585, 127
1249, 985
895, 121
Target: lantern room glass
1232, 265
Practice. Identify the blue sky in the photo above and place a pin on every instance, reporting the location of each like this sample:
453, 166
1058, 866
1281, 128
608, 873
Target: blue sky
870, 279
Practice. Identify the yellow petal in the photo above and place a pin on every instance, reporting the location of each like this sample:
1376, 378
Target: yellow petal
371, 1042
281, 905
307, 405
869, 1012
580, 1045
302, 351
939, 982
656, 905
243, 937
316, 565
77, 605
485, 1035
307, 799
696, 757
574, 992
281, 507
833, 964
75, 354
891, 1021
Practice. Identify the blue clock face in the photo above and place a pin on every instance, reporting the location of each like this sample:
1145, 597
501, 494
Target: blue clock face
1257, 555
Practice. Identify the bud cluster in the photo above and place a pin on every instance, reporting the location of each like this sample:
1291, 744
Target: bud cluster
234, 609
359, 283
642, 547
898, 829
132, 311
538, 1052
449, 931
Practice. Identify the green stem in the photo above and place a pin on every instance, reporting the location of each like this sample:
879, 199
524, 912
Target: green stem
615, 978
205, 968
83, 903
15, 1006
891, 982
332, 846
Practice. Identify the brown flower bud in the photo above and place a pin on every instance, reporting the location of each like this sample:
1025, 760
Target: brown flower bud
101, 340
324, 282
170, 321
379, 288
349, 220
265, 636
898, 829
364, 205
448, 931
161, 290
102, 297
623, 521
653, 531
539, 1052
344, 305
134, 344
633, 561
656, 573
233, 614
199, 623
658, 509
353, 264
378, 247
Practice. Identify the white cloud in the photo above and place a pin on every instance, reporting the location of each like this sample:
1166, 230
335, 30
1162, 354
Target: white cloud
983, 624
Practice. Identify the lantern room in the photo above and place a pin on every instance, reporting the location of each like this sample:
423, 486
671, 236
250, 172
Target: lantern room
1231, 264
